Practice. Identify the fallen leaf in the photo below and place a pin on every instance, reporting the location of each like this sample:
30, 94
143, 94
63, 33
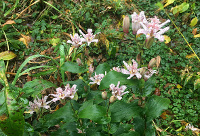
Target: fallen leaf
190, 56
25, 39
167, 39
7, 55
8, 22
158, 59
193, 21
198, 35
194, 31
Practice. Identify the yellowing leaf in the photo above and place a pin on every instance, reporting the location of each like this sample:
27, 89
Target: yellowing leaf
194, 21
196, 83
169, 2
197, 35
194, 31
167, 39
190, 56
25, 39
7, 55
55, 41
107, 44
9, 22
3, 117
178, 86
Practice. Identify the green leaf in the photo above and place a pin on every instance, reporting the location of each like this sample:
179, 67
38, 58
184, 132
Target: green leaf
7, 55
154, 106
160, 5
11, 116
95, 113
36, 86
64, 114
101, 68
47, 72
184, 7
148, 86
121, 111
193, 22
113, 77
73, 67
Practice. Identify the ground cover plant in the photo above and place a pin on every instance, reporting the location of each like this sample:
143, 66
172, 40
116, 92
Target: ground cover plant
99, 67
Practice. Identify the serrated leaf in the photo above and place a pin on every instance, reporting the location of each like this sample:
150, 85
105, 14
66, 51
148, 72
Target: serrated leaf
95, 113
121, 111
113, 77
73, 67
101, 68
63, 114
154, 106
7, 55
36, 86
197, 84
193, 22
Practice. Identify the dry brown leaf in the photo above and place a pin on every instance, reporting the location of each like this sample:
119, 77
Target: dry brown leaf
194, 31
8, 22
25, 39
158, 59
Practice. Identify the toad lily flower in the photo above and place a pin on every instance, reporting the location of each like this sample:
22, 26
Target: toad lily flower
37, 104
118, 91
136, 20
131, 70
75, 40
97, 78
154, 29
68, 92
89, 37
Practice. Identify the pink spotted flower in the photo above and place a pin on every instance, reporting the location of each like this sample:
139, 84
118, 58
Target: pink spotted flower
97, 78
89, 37
117, 91
132, 70
75, 40
154, 29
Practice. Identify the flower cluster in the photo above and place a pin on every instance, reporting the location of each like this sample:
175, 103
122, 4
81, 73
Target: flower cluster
37, 104
151, 27
62, 94
97, 78
117, 91
76, 40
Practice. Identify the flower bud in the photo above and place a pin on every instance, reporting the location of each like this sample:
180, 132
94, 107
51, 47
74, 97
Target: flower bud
112, 99
126, 24
78, 60
104, 95
152, 63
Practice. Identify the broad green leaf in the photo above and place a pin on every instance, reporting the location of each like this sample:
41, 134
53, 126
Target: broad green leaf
95, 113
193, 22
121, 111
73, 67
131, 133
123, 129
11, 116
197, 84
184, 7
7, 55
64, 114
101, 68
36, 86
148, 86
113, 77
154, 106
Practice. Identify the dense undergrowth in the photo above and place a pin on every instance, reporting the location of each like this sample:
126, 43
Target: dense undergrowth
41, 60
